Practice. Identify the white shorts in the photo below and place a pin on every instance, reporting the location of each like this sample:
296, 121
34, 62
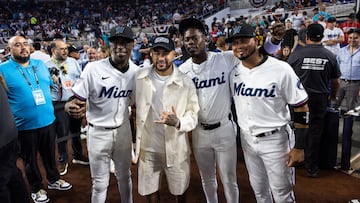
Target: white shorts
151, 167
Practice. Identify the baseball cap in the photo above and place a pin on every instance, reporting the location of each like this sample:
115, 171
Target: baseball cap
72, 48
163, 42
121, 31
244, 30
331, 20
315, 32
191, 23
288, 20
352, 30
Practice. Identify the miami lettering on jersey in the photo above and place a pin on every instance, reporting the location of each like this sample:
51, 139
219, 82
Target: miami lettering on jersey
209, 82
314, 63
241, 89
114, 92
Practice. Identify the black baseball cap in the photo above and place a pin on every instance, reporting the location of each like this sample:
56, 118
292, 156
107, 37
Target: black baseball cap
121, 31
352, 30
72, 48
191, 23
315, 32
164, 42
331, 20
244, 30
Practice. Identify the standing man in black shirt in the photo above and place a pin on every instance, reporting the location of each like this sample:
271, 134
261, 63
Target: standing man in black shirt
12, 185
317, 68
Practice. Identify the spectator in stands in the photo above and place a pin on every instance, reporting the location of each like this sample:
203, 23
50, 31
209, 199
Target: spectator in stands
333, 36
291, 36
302, 32
297, 19
145, 52
320, 12
102, 52
348, 59
215, 33
38, 54
221, 45
74, 52
284, 53
350, 23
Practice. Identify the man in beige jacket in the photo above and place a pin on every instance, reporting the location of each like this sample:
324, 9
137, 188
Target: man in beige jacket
166, 109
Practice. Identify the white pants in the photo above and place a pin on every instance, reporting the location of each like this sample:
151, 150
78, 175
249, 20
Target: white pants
104, 145
217, 149
265, 159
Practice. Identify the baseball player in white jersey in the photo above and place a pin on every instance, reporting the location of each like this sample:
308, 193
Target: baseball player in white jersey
214, 140
262, 88
106, 86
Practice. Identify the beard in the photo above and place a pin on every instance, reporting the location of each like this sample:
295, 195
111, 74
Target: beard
244, 57
21, 59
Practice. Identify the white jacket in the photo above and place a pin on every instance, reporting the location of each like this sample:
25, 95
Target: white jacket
180, 92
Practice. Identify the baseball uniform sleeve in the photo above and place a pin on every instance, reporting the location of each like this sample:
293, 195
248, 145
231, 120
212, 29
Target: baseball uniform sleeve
293, 89
81, 87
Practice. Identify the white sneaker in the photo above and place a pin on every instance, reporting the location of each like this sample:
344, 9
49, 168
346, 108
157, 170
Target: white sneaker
60, 185
40, 196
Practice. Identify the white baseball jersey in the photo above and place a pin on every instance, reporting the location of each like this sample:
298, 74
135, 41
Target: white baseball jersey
261, 95
107, 91
211, 79
333, 34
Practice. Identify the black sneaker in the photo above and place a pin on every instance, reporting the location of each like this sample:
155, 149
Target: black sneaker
81, 160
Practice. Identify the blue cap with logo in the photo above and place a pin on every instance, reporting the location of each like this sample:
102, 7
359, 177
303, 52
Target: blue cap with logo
121, 32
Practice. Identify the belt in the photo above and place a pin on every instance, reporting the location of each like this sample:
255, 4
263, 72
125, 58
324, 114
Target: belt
210, 126
267, 133
105, 128
213, 126
350, 81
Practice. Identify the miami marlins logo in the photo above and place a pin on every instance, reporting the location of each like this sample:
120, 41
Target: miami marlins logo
210, 82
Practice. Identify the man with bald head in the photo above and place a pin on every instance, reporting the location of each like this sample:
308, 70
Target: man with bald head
28, 82
65, 71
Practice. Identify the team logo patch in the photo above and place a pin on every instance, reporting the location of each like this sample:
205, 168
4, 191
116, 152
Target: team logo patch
257, 3
162, 40
120, 30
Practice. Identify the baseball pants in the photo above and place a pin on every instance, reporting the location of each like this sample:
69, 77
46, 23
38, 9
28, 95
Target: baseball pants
104, 145
216, 149
266, 163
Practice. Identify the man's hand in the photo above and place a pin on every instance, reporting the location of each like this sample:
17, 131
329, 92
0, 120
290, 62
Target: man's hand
169, 118
295, 156
278, 32
76, 108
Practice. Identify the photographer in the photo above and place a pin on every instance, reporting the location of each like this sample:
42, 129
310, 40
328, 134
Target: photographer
65, 71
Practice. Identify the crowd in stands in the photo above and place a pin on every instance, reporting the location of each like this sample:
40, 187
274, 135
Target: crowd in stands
87, 19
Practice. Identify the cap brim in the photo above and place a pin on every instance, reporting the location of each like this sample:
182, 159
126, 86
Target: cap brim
190, 23
164, 46
230, 39
117, 37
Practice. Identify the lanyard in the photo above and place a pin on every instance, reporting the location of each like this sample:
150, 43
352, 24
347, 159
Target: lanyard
27, 79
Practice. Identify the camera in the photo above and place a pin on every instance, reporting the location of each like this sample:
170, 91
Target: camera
54, 71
